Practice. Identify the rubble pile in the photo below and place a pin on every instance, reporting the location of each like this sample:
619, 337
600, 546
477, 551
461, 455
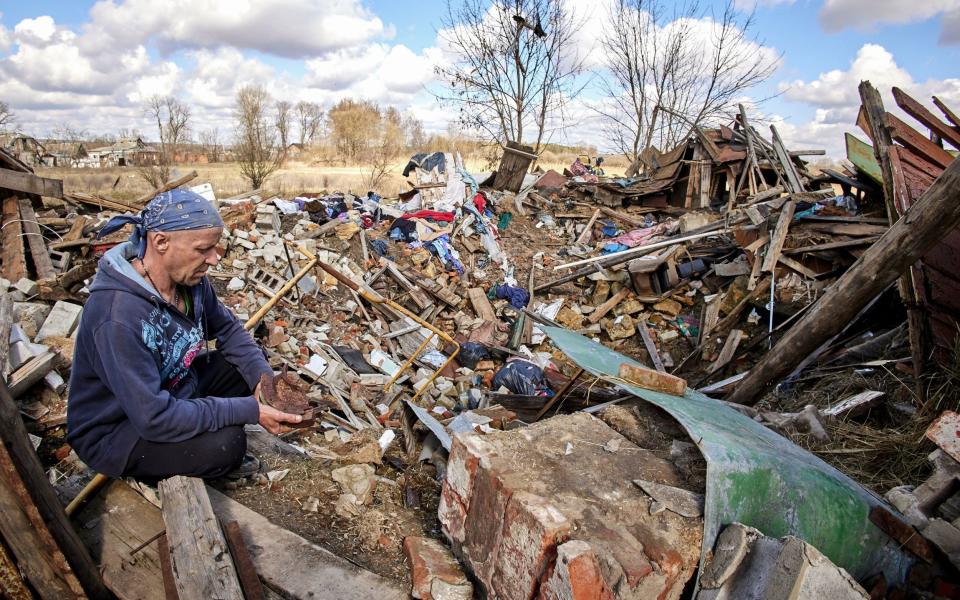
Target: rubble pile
424, 333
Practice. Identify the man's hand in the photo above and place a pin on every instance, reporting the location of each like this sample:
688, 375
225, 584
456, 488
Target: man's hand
271, 419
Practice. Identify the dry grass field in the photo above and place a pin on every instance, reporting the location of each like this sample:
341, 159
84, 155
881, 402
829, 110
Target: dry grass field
294, 178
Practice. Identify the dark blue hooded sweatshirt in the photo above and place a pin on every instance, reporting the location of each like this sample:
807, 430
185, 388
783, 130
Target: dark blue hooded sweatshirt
133, 371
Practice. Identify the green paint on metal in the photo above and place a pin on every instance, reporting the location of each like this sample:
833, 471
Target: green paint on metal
761, 479
861, 155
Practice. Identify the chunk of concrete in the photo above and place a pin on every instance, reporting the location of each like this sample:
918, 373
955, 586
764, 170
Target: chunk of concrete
27, 287
746, 565
61, 321
30, 316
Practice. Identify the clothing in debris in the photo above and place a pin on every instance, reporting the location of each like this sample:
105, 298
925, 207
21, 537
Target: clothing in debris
427, 162
176, 210
445, 217
403, 230
134, 373
517, 296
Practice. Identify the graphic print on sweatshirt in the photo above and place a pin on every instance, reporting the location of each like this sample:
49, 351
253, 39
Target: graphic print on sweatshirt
176, 346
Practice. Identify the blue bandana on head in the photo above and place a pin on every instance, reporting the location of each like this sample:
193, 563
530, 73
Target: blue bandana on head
175, 210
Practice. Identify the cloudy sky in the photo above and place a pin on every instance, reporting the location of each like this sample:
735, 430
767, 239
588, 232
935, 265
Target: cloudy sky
91, 64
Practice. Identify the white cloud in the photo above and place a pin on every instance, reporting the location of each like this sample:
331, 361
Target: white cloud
836, 98
40, 29
836, 15
290, 28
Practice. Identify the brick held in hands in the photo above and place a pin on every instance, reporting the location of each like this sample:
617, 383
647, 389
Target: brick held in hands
650, 379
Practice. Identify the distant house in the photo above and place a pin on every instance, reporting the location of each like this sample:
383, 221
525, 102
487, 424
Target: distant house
126, 152
295, 150
27, 149
70, 154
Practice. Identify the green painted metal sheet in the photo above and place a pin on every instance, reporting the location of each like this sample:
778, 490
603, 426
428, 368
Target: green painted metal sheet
861, 155
761, 479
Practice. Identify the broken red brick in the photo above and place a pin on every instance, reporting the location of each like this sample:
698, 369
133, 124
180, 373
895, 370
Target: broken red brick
434, 571
532, 528
576, 575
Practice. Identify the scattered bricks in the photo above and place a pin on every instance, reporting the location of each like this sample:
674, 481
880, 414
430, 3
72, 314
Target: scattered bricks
434, 572
532, 529
620, 327
61, 321
668, 307
946, 537
576, 575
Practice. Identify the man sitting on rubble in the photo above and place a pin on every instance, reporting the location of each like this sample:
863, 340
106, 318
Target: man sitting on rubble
147, 399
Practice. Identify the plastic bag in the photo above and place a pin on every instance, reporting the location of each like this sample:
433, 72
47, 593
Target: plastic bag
520, 377
471, 353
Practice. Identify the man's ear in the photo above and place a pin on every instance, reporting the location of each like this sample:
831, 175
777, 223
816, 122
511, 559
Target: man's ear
161, 242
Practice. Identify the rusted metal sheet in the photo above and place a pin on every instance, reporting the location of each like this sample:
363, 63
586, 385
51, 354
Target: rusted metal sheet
945, 433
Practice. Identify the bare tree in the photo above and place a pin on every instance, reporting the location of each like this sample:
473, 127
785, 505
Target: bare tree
64, 132
7, 119
672, 66
309, 119
256, 135
510, 81
283, 125
173, 122
355, 128
210, 141
416, 136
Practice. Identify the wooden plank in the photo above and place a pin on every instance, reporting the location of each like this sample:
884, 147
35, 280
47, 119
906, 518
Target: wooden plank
481, 305
622, 217
947, 112
930, 120
864, 241
793, 178
11, 235
609, 305
30, 373
931, 218
909, 137
585, 235
419, 297
650, 346
112, 524
854, 405
297, 568
29, 183
6, 322
728, 350
64, 567
175, 183
38, 246
797, 266
166, 570
28, 538
198, 550
778, 237
76, 229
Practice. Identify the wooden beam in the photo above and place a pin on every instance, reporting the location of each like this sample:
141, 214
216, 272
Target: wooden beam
11, 234
728, 350
63, 567
779, 236
6, 322
797, 266
38, 246
650, 346
864, 241
793, 178
175, 183
947, 112
481, 305
609, 305
912, 139
924, 225
198, 550
930, 120
29, 183
584, 236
